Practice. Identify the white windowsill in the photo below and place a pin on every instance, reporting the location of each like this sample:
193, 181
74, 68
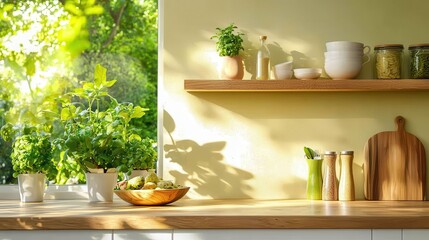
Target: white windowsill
59, 192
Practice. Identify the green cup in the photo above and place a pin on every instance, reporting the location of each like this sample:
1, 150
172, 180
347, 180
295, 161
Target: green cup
314, 181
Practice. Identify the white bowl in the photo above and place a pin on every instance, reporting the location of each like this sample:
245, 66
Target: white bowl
344, 45
350, 60
283, 70
344, 54
307, 73
282, 74
342, 69
284, 66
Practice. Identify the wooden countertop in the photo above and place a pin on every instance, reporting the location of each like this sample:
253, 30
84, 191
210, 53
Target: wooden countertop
214, 214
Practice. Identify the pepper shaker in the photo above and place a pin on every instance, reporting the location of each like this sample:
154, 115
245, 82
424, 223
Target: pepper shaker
330, 188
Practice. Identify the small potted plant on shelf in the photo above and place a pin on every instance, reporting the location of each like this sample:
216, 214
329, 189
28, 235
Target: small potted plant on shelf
31, 160
96, 134
229, 42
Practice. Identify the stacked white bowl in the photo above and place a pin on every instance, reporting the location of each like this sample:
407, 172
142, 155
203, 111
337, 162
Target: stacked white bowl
344, 59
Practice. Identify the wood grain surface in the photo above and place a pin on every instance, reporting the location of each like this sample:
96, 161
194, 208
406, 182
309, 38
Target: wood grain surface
214, 214
395, 165
317, 85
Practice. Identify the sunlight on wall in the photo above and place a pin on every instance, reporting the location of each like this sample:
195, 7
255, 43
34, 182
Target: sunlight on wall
250, 145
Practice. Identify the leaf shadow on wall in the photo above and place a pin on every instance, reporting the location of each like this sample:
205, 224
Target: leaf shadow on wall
203, 166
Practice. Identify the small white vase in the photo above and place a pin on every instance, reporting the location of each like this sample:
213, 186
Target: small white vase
31, 187
100, 186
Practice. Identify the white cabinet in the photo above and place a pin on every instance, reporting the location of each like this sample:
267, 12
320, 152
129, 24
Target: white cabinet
387, 234
415, 234
56, 235
143, 235
281, 234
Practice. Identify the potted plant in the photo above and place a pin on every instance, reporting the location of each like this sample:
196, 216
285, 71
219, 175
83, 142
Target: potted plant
229, 42
141, 157
31, 160
96, 134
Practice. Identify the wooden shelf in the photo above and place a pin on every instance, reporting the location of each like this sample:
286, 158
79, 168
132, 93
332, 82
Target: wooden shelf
319, 85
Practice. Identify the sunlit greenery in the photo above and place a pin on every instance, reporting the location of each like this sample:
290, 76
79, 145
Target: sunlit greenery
48, 47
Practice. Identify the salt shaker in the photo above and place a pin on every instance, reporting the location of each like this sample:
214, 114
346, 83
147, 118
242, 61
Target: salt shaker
346, 188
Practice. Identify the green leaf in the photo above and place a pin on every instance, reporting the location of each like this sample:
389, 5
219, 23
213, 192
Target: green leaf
8, 7
90, 165
66, 114
99, 76
309, 153
79, 91
134, 137
88, 86
95, 10
125, 115
138, 112
110, 83
30, 66
73, 9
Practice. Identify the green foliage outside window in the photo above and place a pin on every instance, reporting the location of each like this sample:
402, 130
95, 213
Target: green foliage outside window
42, 61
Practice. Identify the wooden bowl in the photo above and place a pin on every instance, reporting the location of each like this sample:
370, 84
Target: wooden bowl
152, 197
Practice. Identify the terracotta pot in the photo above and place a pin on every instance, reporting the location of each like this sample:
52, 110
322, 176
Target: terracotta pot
231, 68
31, 187
100, 186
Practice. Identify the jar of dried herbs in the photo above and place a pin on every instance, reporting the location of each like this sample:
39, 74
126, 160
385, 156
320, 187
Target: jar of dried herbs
419, 61
388, 61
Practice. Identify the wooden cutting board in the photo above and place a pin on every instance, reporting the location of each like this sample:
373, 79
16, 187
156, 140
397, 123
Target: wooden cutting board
395, 166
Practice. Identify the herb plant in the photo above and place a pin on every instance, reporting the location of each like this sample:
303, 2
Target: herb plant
32, 153
93, 137
141, 155
229, 42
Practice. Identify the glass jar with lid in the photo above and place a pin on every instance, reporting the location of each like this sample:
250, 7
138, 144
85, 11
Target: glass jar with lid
388, 61
419, 61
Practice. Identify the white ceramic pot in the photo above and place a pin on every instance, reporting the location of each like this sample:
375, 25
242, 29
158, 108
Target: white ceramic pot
100, 186
31, 187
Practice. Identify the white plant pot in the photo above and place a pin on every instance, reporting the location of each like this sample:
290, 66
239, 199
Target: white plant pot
31, 187
100, 186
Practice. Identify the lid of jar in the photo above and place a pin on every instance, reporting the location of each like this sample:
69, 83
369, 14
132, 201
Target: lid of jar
347, 152
263, 37
330, 153
388, 46
421, 45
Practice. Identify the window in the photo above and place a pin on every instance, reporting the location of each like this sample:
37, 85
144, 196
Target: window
49, 47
